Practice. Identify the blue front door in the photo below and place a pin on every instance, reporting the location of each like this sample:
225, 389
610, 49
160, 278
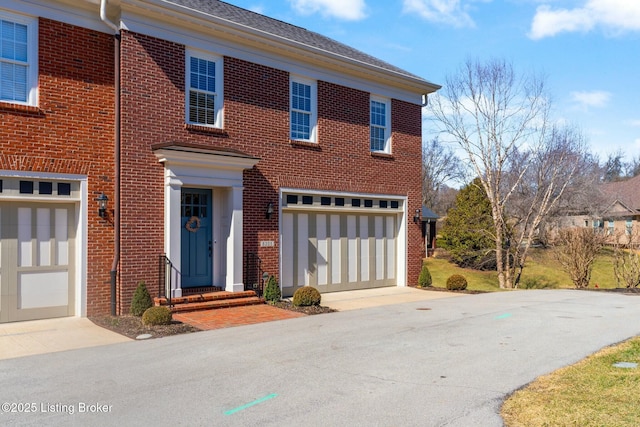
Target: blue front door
196, 248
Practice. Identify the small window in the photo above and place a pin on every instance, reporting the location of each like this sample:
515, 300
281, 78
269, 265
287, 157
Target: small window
292, 199
383, 204
355, 203
45, 188
629, 227
339, 201
303, 109
204, 89
394, 204
325, 201
64, 189
18, 59
26, 187
379, 126
368, 203
307, 200
0, 186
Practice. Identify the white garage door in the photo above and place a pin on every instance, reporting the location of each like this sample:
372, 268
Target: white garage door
36, 260
338, 243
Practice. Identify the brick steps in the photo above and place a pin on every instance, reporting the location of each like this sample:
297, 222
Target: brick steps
208, 301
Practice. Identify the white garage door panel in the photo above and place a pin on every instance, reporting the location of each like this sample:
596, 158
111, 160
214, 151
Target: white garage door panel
335, 252
43, 289
37, 258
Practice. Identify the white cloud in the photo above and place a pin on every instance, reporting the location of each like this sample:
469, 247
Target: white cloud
351, 10
450, 12
613, 16
594, 98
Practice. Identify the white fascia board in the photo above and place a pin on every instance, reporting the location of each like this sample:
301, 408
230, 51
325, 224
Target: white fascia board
222, 37
80, 13
210, 161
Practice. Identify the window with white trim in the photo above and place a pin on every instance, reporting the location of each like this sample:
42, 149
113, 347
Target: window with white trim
204, 89
380, 133
18, 59
302, 105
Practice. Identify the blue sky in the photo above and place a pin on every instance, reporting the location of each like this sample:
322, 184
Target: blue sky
589, 50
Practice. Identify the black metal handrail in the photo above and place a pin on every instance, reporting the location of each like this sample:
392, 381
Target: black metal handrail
164, 284
253, 273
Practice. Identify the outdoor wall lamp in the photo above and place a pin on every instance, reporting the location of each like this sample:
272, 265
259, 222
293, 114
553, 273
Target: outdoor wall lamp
102, 205
416, 216
269, 210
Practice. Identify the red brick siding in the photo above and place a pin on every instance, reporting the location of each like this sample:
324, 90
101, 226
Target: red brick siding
71, 132
256, 121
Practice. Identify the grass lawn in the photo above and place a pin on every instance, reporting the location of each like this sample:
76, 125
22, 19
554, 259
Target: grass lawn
590, 393
541, 271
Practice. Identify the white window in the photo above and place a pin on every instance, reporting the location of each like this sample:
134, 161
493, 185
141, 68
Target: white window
629, 227
204, 89
380, 136
18, 59
303, 101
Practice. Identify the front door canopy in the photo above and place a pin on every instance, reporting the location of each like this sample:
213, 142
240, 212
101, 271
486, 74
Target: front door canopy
185, 154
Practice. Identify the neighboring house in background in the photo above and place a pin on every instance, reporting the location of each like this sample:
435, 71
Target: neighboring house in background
622, 215
615, 210
218, 137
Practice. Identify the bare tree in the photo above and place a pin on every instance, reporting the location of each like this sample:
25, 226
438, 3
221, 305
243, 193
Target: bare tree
626, 259
439, 166
577, 252
501, 121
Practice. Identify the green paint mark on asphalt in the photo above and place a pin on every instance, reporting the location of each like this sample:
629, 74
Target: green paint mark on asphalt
503, 316
250, 404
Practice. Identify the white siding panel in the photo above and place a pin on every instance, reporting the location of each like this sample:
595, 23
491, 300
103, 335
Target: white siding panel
287, 250
391, 248
303, 250
62, 237
323, 248
43, 236
364, 248
335, 249
25, 247
379, 259
352, 245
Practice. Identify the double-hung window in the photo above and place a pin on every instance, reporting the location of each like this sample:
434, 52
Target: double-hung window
303, 101
204, 89
380, 132
628, 227
18, 59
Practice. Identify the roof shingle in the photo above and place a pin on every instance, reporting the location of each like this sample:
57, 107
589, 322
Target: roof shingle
287, 31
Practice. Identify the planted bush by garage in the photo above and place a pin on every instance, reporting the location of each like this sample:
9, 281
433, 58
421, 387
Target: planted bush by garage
457, 282
157, 316
306, 296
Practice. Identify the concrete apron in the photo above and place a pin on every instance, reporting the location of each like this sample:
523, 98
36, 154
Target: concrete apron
365, 298
20, 339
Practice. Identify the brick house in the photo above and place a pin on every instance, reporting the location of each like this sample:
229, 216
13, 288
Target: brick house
219, 139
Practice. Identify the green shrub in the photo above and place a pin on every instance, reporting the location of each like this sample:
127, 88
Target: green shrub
456, 282
141, 300
272, 290
425, 276
306, 296
538, 282
157, 316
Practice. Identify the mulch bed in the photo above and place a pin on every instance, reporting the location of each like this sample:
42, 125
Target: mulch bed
131, 326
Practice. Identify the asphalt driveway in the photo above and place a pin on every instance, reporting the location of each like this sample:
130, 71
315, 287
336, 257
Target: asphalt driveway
444, 362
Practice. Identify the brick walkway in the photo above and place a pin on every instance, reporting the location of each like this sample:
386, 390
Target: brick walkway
235, 316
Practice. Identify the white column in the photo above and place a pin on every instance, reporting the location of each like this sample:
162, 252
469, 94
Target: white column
172, 229
234, 242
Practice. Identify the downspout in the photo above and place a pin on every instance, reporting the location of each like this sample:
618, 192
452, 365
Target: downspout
116, 155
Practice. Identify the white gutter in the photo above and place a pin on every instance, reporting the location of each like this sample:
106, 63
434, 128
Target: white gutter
105, 19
